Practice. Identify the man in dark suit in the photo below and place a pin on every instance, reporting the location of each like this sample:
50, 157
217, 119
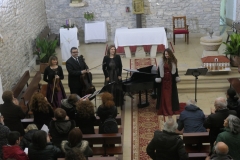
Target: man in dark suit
215, 120
76, 67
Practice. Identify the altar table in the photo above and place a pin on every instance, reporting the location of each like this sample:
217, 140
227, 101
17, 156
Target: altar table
139, 37
96, 31
68, 39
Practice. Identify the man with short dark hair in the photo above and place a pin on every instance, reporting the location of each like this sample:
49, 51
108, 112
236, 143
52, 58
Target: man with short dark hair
191, 119
215, 120
12, 150
60, 127
76, 67
167, 144
12, 112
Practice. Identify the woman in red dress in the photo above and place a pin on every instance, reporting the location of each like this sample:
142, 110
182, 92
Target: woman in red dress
167, 94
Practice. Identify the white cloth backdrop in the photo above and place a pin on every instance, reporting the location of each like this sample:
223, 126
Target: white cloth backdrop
140, 36
96, 32
68, 39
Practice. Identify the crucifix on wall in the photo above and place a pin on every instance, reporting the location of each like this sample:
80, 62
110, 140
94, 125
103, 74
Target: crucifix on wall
138, 9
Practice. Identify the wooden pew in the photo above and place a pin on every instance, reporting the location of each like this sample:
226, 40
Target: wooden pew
27, 121
102, 143
194, 142
197, 156
33, 87
18, 88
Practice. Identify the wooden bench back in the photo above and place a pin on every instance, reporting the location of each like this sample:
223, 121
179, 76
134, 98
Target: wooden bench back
17, 89
108, 142
98, 121
196, 138
33, 87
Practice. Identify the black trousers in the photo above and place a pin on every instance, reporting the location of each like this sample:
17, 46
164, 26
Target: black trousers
77, 91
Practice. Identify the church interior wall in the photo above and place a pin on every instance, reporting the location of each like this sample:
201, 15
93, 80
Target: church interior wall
21, 22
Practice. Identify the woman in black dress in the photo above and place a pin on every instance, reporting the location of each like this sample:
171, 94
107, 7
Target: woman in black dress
112, 68
53, 75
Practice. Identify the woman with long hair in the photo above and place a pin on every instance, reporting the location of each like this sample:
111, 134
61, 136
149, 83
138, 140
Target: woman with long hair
42, 110
85, 117
41, 147
167, 94
53, 75
106, 109
112, 69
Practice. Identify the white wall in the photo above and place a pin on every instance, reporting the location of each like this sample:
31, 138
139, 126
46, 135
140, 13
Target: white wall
231, 6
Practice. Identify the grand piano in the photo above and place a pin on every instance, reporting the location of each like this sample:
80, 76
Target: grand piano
141, 79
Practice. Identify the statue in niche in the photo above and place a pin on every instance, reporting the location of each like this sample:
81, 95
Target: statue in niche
138, 6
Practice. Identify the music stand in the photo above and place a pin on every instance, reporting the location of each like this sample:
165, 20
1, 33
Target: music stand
103, 89
196, 72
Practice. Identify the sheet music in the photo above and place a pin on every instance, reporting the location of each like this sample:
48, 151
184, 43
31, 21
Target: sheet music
45, 128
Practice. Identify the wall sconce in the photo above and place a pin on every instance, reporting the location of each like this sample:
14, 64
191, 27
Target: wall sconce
127, 9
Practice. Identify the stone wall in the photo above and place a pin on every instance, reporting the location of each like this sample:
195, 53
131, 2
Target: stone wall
201, 14
21, 22
238, 11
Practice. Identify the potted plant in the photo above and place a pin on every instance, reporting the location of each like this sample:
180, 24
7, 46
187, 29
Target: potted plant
233, 49
45, 49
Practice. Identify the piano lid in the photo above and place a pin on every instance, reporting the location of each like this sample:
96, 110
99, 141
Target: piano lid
145, 70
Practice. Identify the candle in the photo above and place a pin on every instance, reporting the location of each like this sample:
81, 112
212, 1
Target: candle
69, 22
66, 22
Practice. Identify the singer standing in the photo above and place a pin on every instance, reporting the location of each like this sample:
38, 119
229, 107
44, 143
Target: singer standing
112, 69
76, 66
53, 75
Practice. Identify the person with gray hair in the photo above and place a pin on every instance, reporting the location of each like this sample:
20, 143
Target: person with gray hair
167, 144
231, 135
191, 118
215, 120
220, 153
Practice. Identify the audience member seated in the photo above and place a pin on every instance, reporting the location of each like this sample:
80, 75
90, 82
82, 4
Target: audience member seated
74, 154
167, 144
232, 101
85, 117
191, 119
59, 128
27, 138
215, 120
231, 136
220, 153
12, 112
106, 109
69, 105
42, 110
4, 131
75, 141
41, 148
12, 150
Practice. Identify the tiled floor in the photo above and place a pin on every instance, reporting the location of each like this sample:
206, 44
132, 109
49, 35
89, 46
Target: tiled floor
189, 56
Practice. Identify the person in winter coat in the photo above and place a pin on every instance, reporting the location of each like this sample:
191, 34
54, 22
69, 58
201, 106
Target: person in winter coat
69, 105
231, 136
4, 131
106, 109
221, 152
12, 150
232, 101
41, 148
75, 141
59, 128
27, 138
191, 119
167, 144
